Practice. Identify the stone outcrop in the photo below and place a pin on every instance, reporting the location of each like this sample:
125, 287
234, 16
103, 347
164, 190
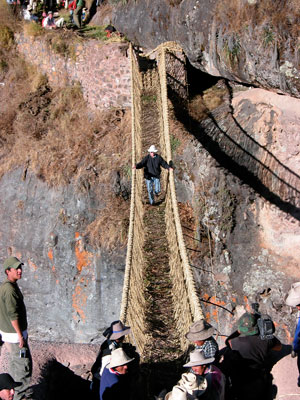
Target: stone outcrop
102, 69
237, 173
72, 291
245, 41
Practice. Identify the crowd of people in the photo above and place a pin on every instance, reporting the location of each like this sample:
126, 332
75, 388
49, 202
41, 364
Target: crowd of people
46, 12
239, 371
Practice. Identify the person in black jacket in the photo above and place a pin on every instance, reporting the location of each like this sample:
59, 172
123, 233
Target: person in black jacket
151, 164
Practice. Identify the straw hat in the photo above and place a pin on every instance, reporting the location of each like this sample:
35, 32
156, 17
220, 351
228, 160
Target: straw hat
119, 330
200, 330
193, 383
197, 358
118, 358
152, 149
178, 393
293, 298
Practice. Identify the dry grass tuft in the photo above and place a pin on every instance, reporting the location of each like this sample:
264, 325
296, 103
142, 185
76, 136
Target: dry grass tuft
33, 29
283, 16
202, 105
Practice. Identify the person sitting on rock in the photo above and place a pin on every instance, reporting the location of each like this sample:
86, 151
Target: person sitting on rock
115, 383
50, 23
201, 334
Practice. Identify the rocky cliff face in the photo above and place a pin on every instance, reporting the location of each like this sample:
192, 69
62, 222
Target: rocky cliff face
72, 291
247, 41
239, 176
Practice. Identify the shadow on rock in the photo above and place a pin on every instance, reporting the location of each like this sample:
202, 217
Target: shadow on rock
59, 382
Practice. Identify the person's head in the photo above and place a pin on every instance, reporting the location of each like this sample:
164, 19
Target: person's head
50, 14
152, 150
119, 361
13, 269
198, 362
44, 14
118, 331
293, 297
7, 387
199, 332
247, 325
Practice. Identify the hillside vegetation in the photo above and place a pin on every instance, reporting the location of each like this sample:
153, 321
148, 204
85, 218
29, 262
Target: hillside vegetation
53, 134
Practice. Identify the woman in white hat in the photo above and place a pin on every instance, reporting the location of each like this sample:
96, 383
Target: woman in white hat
189, 387
215, 379
114, 382
293, 300
151, 164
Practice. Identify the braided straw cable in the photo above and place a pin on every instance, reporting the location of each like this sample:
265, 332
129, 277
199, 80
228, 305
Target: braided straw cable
188, 273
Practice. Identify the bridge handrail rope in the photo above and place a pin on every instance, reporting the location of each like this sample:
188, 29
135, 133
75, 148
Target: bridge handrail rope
187, 270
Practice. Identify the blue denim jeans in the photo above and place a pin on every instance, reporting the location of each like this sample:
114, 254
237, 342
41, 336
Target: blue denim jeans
150, 182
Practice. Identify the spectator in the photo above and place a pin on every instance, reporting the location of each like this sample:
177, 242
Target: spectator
200, 333
190, 387
7, 387
50, 23
27, 15
115, 336
215, 379
13, 325
293, 300
114, 382
248, 366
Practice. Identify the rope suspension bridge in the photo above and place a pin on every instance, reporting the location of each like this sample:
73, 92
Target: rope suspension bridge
159, 299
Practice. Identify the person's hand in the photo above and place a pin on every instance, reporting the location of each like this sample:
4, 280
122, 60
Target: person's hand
133, 167
293, 354
21, 341
172, 169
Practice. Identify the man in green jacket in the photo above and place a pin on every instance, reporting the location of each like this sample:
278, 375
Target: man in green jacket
13, 326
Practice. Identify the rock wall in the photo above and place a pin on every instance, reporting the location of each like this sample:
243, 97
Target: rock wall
103, 70
72, 291
245, 41
246, 237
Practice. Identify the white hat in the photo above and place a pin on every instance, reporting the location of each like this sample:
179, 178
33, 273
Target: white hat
200, 330
178, 393
197, 358
193, 383
293, 298
118, 358
152, 149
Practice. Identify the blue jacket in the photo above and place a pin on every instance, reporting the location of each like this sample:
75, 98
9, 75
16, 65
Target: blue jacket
296, 342
114, 386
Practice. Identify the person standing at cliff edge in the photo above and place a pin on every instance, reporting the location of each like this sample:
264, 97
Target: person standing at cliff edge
13, 327
151, 164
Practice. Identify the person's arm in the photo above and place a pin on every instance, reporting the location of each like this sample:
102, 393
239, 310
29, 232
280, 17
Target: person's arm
16, 326
142, 163
164, 164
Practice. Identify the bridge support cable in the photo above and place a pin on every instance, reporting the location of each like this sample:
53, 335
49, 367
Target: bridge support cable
186, 304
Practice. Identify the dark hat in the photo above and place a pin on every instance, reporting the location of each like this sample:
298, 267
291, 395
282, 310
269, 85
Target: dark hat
119, 330
247, 325
7, 382
12, 262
